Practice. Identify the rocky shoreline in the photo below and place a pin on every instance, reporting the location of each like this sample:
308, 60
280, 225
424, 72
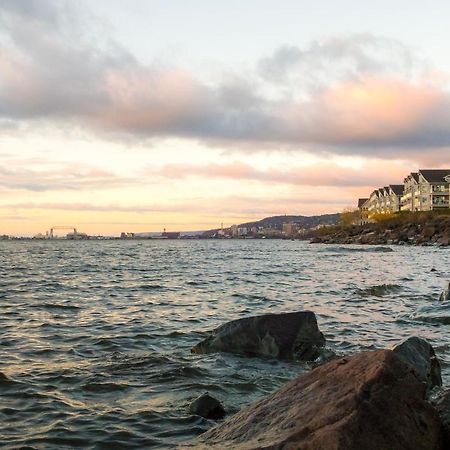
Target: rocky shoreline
374, 400
435, 231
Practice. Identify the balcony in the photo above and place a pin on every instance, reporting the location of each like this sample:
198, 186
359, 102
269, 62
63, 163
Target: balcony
441, 201
440, 189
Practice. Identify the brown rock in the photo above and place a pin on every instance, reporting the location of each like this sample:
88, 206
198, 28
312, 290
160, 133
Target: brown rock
444, 240
428, 232
371, 401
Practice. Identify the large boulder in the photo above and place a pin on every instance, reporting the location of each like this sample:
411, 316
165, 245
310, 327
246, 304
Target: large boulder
419, 354
287, 336
371, 401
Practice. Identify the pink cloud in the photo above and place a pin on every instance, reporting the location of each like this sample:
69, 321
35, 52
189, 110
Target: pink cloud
379, 173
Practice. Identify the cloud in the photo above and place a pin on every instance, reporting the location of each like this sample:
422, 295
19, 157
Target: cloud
343, 58
61, 178
350, 95
217, 206
379, 174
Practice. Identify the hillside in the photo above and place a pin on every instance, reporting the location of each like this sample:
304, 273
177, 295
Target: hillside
300, 221
276, 222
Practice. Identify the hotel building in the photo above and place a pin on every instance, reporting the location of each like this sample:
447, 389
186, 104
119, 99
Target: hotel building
425, 190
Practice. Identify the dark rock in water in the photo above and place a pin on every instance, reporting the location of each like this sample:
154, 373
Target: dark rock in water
382, 249
445, 294
371, 401
419, 354
442, 404
287, 336
207, 407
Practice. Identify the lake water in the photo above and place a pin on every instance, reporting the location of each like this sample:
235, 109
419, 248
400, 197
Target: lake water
95, 336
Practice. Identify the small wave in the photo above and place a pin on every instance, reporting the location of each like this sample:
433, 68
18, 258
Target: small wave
437, 313
365, 249
196, 283
379, 290
151, 287
104, 387
58, 306
261, 298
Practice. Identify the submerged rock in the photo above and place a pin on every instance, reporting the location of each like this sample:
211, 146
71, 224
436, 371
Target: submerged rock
370, 401
207, 407
287, 336
445, 294
419, 354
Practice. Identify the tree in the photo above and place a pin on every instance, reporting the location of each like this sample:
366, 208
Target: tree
349, 217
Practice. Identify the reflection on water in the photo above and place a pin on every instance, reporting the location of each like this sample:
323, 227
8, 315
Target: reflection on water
95, 336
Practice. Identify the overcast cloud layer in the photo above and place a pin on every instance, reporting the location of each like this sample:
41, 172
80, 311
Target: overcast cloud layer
349, 95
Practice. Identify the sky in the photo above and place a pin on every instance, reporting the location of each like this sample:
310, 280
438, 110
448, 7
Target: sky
143, 115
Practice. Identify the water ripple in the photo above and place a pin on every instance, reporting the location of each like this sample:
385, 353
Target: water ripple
96, 336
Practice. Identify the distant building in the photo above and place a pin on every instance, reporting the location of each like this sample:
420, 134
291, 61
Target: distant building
242, 231
410, 200
170, 235
363, 207
77, 236
289, 229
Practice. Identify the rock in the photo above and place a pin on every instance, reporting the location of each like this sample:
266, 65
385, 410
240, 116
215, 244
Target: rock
371, 401
428, 232
207, 407
442, 404
326, 355
445, 294
286, 336
3, 376
419, 354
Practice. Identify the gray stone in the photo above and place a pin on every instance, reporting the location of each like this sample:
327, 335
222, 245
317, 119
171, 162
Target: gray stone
285, 336
419, 354
207, 407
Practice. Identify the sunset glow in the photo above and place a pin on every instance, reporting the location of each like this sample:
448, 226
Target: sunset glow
110, 131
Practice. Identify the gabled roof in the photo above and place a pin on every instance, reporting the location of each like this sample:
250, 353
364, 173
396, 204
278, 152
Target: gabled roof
435, 175
397, 188
361, 201
413, 175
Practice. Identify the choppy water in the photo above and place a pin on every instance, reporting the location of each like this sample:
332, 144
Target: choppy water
95, 337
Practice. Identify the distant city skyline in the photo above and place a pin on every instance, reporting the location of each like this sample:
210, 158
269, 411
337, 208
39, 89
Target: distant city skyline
146, 115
